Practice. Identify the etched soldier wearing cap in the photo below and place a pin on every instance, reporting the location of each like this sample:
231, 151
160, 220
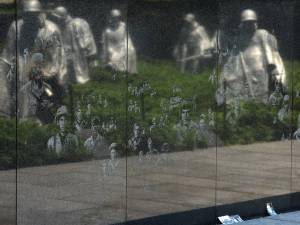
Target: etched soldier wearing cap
110, 166
138, 141
63, 141
254, 65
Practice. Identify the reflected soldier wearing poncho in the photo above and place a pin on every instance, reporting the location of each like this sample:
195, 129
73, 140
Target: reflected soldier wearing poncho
254, 64
36, 97
63, 142
118, 51
79, 45
193, 45
35, 34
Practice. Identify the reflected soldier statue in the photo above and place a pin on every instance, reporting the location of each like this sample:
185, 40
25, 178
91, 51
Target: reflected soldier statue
62, 142
78, 43
193, 45
36, 97
118, 51
34, 33
254, 64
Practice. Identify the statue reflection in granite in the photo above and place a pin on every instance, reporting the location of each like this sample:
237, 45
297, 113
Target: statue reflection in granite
110, 166
254, 64
296, 134
79, 45
193, 45
117, 47
63, 142
35, 34
36, 97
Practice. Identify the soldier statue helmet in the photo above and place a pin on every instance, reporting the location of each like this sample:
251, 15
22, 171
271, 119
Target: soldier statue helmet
115, 13
248, 15
189, 17
60, 13
31, 6
248, 20
31, 11
115, 17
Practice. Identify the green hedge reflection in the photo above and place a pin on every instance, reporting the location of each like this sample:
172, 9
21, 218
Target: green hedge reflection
254, 124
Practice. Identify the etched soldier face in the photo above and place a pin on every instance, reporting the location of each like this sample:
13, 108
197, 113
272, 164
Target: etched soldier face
62, 123
113, 154
184, 115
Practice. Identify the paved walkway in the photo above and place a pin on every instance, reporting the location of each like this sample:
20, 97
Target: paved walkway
80, 194
292, 218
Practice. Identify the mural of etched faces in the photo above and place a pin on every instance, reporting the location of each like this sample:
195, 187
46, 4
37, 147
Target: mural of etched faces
118, 111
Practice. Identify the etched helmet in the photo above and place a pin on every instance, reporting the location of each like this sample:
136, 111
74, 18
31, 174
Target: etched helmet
60, 12
115, 13
248, 15
32, 6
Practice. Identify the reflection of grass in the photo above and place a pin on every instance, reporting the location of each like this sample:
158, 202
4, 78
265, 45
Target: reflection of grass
7, 11
254, 124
